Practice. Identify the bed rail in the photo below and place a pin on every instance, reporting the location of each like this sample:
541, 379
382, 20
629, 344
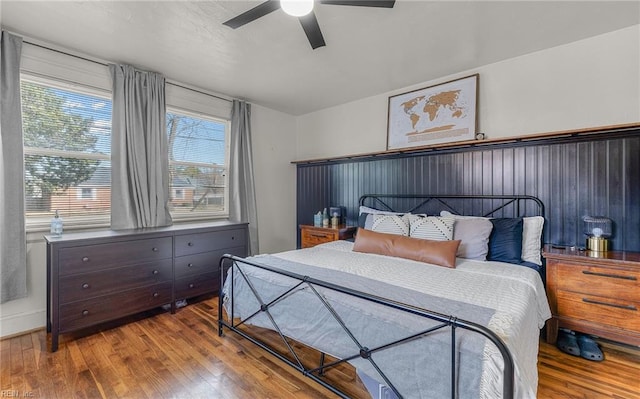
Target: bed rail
231, 264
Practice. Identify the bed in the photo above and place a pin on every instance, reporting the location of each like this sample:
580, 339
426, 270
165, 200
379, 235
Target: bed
411, 329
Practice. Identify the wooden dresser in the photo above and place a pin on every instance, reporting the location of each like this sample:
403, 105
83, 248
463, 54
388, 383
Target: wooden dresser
594, 293
101, 276
310, 236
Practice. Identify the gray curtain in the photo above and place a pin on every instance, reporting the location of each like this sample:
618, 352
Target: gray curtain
13, 237
242, 196
139, 155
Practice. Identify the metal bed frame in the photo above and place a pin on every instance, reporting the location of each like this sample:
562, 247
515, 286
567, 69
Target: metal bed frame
229, 263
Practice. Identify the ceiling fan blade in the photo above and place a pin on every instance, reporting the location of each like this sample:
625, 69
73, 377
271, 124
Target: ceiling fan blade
310, 25
361, 3
256, 12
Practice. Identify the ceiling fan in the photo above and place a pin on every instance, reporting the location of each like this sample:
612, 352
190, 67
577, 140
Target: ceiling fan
303, 9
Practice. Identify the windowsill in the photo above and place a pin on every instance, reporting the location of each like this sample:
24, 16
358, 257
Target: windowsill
43, 225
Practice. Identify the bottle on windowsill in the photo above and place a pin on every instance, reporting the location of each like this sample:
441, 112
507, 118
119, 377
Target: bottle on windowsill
56, 225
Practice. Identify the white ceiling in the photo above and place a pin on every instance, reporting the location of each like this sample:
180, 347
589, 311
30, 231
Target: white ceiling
269, 61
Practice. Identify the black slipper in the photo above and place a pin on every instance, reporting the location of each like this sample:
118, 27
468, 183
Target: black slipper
589, 349
568, 343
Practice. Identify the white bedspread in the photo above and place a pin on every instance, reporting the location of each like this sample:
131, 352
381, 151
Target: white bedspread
515, 292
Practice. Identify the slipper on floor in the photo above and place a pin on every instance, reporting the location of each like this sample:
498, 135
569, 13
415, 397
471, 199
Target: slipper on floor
589, 348
568, 343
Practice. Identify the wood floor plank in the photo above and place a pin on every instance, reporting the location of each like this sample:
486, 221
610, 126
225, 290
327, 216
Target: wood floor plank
5, 359
164, 355
17, 365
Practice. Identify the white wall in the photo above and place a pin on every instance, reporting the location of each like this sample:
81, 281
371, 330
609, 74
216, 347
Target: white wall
28, 313
592, 82
274, 144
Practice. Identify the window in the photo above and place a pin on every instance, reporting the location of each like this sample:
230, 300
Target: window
67, 142
86, 193
67, 147
198, 158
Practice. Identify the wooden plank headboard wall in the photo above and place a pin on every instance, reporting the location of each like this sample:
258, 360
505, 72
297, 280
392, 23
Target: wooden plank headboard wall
596, 172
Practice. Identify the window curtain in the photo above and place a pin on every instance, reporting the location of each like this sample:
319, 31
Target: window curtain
13, 237
242, 196
139, 155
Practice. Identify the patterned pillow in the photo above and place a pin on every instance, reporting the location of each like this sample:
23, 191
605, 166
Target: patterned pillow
390, 224
365, 216
431, 227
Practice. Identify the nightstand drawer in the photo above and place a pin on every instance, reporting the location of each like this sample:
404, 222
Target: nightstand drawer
311, 237
599, 281
617, 313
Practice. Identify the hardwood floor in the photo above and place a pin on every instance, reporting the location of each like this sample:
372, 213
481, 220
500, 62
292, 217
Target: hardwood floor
181, 356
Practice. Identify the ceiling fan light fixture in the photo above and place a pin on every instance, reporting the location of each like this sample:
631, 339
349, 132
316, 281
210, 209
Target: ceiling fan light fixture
296, 8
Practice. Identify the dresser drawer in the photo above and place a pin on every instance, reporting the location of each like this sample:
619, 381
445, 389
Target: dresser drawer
618, 313
206, 262
88, 285
197, 285
204, 242
103, 256
311, 237
109, 307
599, 281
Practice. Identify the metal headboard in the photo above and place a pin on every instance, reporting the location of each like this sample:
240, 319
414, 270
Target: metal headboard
474, 205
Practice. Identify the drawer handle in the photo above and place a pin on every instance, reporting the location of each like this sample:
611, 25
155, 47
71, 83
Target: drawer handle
614, 305
318, 235
85, 312
85, 285
632, 278
191, 285
155, 294
190, 244
155, 272
190, 265
154, 249
85, 259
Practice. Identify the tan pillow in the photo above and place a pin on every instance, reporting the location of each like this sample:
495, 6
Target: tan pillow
441, 253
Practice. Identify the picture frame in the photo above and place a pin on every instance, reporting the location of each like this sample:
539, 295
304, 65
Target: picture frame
442, 113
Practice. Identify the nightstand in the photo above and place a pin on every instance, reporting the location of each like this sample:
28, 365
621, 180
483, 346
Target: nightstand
595, 293
311, 236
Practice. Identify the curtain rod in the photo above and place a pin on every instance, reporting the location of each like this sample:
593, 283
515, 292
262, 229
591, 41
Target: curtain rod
106, 65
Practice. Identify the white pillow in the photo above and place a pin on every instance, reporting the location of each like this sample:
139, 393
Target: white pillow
431, 227
390, 224
531, 235
531, 239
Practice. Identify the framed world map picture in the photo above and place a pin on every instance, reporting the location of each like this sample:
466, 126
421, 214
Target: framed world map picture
437, 114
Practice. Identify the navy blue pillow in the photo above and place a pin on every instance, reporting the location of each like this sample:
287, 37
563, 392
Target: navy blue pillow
362, 219
505, 241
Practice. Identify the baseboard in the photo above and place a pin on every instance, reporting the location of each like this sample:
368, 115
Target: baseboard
22, 323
